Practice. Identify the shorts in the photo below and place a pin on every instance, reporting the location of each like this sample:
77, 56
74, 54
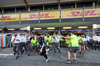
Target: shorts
28, 43
62, 42
52, 43
73, 49
85, 43
81, 44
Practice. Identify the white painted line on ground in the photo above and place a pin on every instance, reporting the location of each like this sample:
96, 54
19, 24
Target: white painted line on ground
5, 55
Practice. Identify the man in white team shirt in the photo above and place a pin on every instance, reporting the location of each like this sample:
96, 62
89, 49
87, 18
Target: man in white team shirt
16, 44
99, 41
95, 41
88, 38
23, 43
56, 44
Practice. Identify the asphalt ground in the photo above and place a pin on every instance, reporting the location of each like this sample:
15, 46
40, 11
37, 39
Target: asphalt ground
88, 58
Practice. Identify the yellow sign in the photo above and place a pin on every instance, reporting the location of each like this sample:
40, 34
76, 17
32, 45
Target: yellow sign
43, 15
11, 17
79, 13
0, 18
92, 12
49, 15
71, 14
52, 15
29, 16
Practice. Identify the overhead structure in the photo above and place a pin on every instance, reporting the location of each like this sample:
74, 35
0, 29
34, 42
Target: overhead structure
12, 3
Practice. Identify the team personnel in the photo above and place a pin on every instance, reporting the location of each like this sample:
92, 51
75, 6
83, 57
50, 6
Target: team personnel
27, 42
85, 43
40, 42
68, 42
56, 44
23, 43
16, 44
99, 41
59, 40
51, 39
88, 39
73, 47
62, 42
95, 41
34, 45
47, 40
42, 46
30, 37
81, 41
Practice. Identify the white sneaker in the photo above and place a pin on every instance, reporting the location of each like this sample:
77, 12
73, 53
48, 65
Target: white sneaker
46, 60
48, 49
46, 52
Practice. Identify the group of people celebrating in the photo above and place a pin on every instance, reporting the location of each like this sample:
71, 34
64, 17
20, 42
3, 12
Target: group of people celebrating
43, 43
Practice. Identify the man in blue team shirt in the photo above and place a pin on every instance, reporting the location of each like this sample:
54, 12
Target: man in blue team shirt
42, 46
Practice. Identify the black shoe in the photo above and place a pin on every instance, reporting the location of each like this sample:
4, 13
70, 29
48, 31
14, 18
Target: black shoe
68, 61
81, 53
14, 53
75, 61
17, 57
28, 54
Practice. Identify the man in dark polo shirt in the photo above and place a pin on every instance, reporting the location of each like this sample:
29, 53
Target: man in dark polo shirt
42, 46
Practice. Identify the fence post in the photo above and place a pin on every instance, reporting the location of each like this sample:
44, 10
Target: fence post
19, 17
38, 16
83, 14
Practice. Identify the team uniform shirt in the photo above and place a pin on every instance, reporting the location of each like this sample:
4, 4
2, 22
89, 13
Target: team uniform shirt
52, 40
62, 39
95, 38
59, 37
78, 38
34, 42
85, 39
80, 41
17, 37
57, 40
46, 41
88, 38
68, 42
23, 39
41, 41
98, 39
27, 39
74, 41
49, 39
